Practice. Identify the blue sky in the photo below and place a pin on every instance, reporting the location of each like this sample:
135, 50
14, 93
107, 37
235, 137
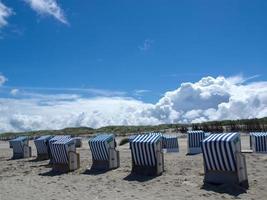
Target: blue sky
102, 46
126, 48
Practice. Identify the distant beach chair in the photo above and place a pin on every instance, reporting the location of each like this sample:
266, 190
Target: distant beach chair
21, 148
104, 153
223, 161
170, 143
51, 141
194, 139
65, 158
42, 148
147, 155
258, 141
131, 137
78, 141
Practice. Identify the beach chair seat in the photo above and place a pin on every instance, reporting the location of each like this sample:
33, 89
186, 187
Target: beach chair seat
147, 154
64, 155
21, 148
194, 139
104, 153
170, 143
78, 142
41, 145
258, 142
223, 161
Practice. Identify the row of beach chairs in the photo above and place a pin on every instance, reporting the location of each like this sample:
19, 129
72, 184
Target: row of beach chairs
223, 160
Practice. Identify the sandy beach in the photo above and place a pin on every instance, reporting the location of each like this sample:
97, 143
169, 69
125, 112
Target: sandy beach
182, 179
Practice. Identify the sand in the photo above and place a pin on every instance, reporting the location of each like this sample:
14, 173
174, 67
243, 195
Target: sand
182, 179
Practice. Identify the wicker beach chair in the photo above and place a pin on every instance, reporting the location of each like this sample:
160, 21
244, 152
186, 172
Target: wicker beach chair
51, 141
104, 153
223, 161
170, 143
21, 148
65, 158
147, 155
258, 141
41, 145
194, 139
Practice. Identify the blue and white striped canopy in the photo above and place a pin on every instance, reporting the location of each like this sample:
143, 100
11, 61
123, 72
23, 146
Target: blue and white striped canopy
99, 146
18, 143
143, 149
102, 137
44, 137
66, 140
54, 139
20, 138
41, 144
170, 142
219, 151
195, 138
58, 138
59, 149
131, 137
260, 141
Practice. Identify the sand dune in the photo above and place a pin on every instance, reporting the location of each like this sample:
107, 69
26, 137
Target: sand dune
182, 179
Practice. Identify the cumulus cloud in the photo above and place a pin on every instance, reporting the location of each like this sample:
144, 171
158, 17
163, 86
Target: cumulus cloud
48, 7
214, 99
43, 113
5, 12
207, 99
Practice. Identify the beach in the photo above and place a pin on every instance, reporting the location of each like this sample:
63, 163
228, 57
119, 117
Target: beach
182, 178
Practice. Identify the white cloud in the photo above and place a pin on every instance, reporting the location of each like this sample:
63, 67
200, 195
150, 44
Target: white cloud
14, 92
213, 99
5, 12
208, 99
43, 113
140, 92
48, 7
89, 91
146, 45
3, 79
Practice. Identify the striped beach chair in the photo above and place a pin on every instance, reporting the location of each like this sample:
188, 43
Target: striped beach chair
194, 139
41, 145
147, 155
63, 152
170, 143
21, 148
104, 153
52, 140
223, 161
131, 137
258, 142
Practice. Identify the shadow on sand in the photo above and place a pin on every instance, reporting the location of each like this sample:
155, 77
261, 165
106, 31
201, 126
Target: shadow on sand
9, 159
231, 189
95, 171
139, 178
52, 173
36, 160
